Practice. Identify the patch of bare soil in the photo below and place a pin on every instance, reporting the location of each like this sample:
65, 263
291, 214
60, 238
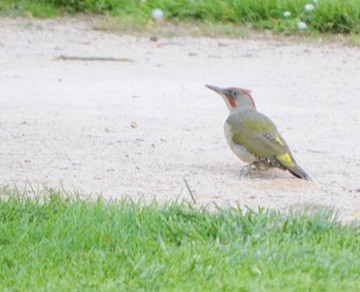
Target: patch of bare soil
138, 128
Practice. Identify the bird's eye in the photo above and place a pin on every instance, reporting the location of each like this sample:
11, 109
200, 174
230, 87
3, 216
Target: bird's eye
235, 93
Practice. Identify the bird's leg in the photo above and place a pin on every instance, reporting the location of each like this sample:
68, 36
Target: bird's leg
245, 170
259, 165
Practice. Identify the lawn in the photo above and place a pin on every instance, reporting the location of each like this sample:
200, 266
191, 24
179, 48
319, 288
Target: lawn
63, 242
285, 16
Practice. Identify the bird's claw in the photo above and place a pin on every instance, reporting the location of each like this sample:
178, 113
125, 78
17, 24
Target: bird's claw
245, 170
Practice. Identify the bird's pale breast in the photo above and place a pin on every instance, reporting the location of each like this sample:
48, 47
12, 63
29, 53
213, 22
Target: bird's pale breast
239, 150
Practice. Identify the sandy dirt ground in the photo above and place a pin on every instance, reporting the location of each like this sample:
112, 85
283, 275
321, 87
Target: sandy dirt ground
140, 126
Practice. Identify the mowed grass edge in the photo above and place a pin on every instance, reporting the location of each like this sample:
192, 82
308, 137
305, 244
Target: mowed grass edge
63, 242
334, 16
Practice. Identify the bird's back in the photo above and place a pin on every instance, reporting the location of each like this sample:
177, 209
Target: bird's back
259, 136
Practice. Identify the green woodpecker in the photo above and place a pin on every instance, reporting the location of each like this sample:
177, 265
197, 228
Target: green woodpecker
253, 137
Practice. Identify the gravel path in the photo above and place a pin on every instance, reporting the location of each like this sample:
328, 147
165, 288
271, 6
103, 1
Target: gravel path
141, 125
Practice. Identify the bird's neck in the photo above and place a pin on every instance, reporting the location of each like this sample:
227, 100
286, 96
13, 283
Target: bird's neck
242, 109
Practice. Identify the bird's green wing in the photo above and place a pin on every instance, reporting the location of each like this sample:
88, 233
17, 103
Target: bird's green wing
258, 134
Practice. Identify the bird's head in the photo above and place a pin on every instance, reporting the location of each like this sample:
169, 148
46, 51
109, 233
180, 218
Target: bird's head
235, 98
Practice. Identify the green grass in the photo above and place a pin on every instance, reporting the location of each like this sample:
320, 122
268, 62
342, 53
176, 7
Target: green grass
335, 16
72, 244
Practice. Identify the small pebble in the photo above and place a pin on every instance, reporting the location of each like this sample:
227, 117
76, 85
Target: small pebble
76, 162
154, 38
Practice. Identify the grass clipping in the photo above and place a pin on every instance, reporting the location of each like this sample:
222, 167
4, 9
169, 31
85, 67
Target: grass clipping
60, 241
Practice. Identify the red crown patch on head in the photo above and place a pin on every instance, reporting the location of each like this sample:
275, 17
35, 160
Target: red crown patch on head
245, 92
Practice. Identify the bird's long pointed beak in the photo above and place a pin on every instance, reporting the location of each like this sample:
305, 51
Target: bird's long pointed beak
217, 89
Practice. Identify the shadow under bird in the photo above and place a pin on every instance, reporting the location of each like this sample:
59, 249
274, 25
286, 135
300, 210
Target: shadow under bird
253, 137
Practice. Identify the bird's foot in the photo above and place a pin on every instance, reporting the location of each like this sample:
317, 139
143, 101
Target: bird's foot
259, 165
245, 170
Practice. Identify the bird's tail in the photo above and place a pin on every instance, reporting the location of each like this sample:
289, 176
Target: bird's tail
299, 172
288, 162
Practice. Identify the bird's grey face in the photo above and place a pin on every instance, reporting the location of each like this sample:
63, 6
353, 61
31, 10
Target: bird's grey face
234, 97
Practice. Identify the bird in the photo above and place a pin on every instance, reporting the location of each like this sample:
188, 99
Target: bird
253, 137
